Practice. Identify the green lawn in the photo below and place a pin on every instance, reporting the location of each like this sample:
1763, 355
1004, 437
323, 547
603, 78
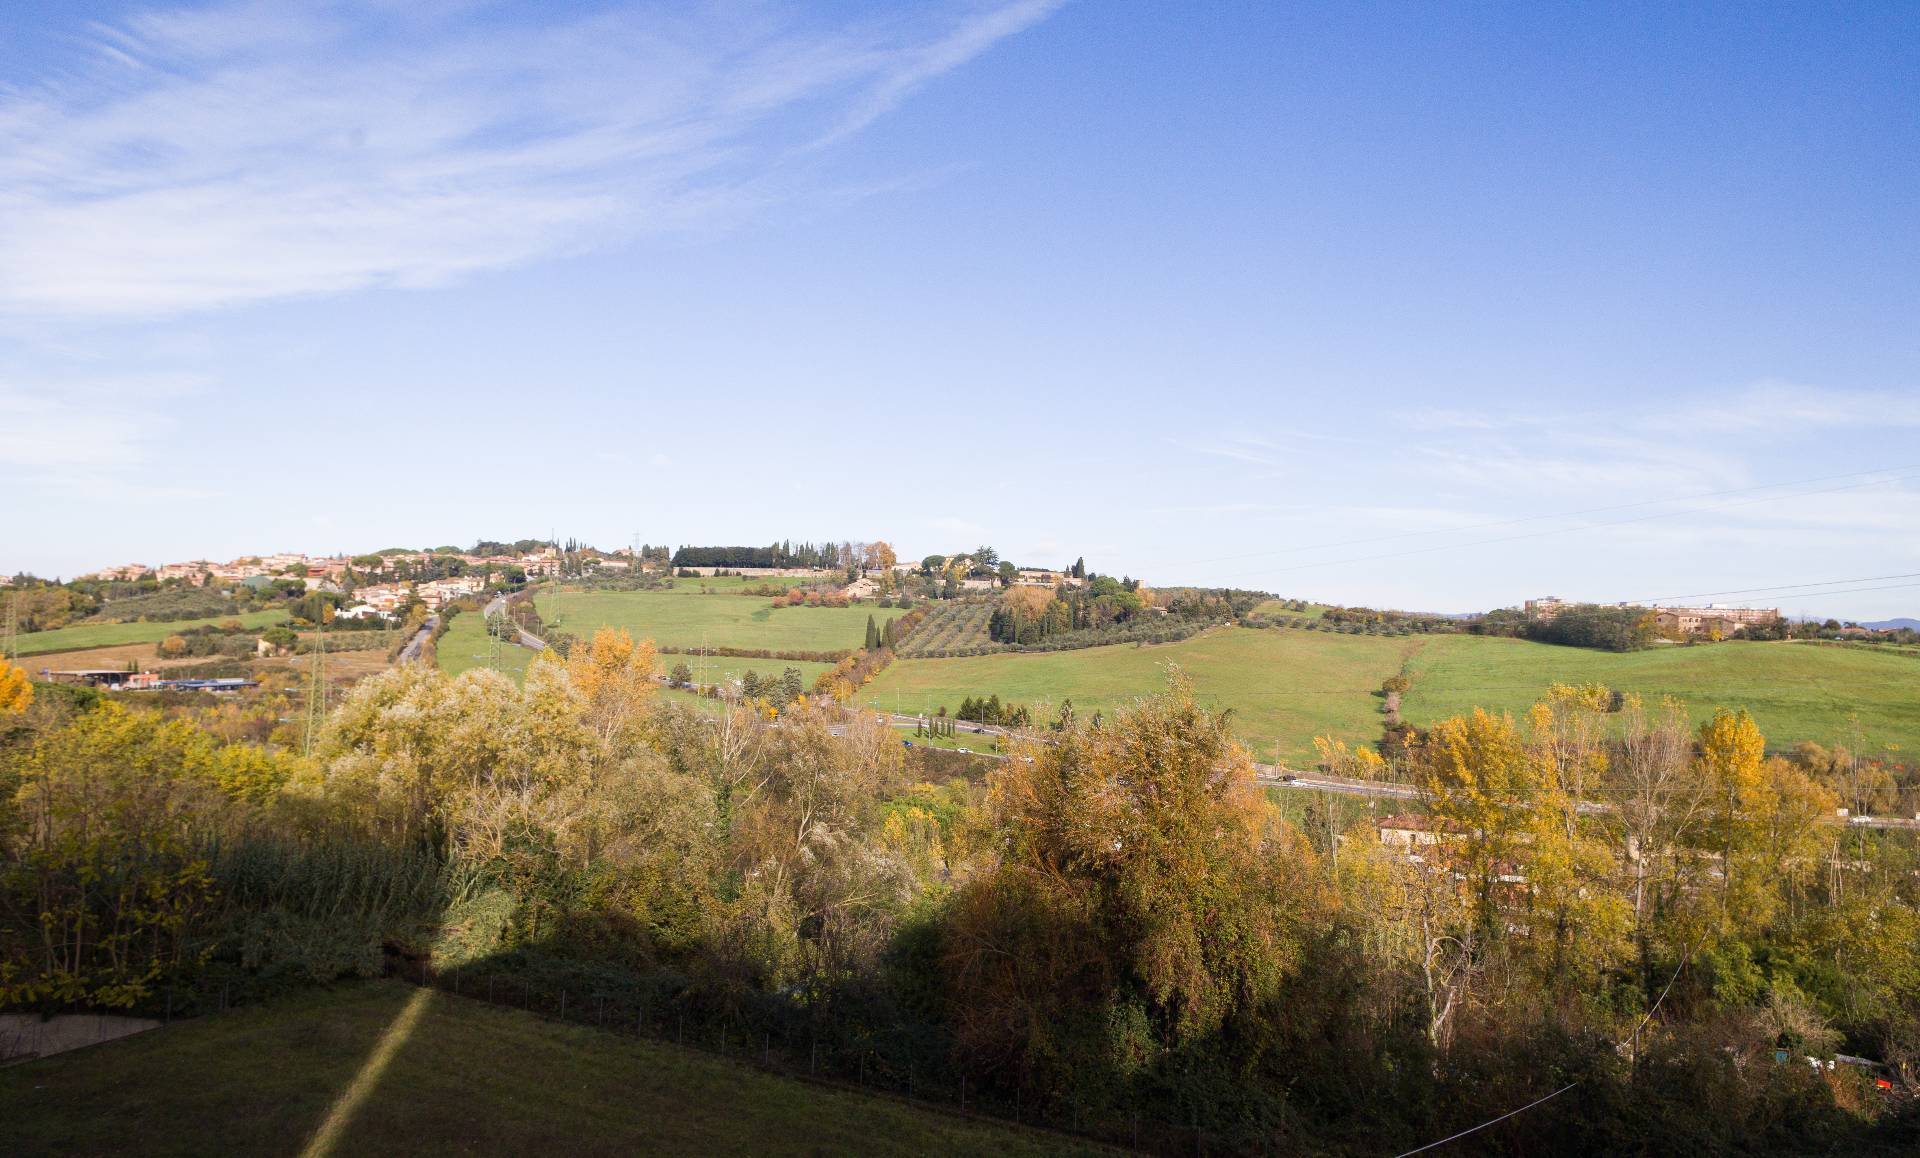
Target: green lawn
1287, 686
683, 617
1277, 608
466, 646
87, 635
468, 1079
1283, 685
721, 669
1795, 691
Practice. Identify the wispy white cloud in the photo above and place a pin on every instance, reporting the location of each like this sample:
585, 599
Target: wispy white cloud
1790, 407
94, 436
243, 152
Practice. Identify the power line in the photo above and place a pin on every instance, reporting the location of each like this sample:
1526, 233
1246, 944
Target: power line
1633, 1037
1490, 1121
1781, 587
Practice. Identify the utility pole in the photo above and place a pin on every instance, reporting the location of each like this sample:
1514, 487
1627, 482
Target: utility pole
10, 646
493, 639
316, 692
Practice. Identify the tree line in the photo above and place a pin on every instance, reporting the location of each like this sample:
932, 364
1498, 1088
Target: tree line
1112, 926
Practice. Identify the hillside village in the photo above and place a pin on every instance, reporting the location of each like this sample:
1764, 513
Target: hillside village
960, 675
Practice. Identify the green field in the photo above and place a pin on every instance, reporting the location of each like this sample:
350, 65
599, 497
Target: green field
85, 635
721, 669
467, 1079
1287, 686
1277, 608
684, 617
1796, 691
466, 646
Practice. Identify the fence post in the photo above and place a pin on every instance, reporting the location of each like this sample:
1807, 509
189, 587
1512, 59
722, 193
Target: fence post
813, 1064
766, 1051
683, 1027
563, 1005
169, 1005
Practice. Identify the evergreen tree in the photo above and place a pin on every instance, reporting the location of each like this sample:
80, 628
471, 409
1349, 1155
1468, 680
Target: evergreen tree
873, 635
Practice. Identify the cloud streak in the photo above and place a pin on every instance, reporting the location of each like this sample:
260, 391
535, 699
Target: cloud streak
250, 152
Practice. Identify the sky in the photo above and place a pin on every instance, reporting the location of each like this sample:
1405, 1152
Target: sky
1437, 307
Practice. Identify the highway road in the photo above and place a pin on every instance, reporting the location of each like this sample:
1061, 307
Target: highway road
411, 652
1279, 776
525, 639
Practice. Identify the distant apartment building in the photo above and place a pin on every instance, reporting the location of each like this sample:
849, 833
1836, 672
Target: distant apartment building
195, 572
440, 592
1039, 577
544, 562
1714, 619
386, 597
124, 574
1545, 607
238, 571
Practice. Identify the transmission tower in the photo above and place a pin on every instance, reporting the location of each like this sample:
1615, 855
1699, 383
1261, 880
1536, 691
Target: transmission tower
10, 645
559, 565
316, 692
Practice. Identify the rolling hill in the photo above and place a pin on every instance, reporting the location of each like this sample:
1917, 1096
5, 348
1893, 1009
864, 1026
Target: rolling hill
1286, 687
468, 1078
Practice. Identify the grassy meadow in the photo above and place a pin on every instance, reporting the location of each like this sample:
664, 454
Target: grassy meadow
684, 616
469, 1079
465, 646
1796, 691
86, 635
1288, 686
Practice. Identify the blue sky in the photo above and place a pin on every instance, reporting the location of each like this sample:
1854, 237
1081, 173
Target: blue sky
1428, 306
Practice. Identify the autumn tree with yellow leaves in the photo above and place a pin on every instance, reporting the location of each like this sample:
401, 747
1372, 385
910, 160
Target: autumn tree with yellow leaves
1144, 897
16, 690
